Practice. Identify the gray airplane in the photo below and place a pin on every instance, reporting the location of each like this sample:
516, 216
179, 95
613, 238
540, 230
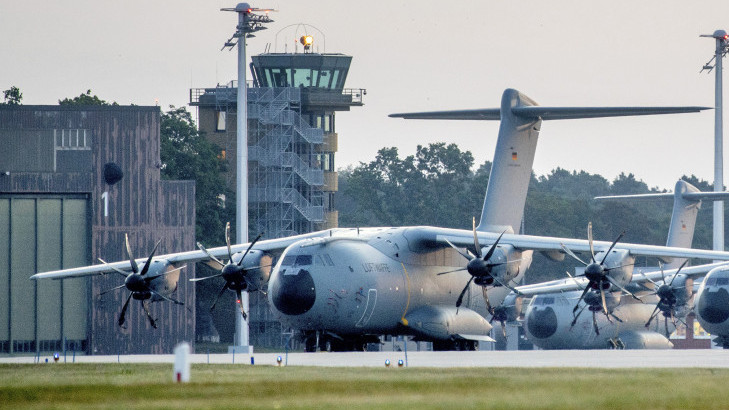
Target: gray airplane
712, 305
342, 288
555, 320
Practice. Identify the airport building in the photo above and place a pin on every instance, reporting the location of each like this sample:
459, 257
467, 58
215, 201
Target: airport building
292, 142
63, 205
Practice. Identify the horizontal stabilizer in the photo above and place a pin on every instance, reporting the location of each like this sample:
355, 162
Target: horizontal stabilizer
545, 113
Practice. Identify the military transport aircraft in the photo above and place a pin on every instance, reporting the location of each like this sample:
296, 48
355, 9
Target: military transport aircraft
553, 318
342, 288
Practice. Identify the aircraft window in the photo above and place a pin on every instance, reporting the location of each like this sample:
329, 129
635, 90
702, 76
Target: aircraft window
711, 282
289, 260
303, 260
548, 301
328, 259
319, 261
722, 281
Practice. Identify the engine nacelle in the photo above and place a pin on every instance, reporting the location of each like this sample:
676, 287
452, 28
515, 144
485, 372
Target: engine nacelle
619, 264
712, 304
510, 260
257, 267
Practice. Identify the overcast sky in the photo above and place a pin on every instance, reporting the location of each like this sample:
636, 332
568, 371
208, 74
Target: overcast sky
410, 56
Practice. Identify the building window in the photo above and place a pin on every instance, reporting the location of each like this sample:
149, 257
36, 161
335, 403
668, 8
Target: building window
220, 121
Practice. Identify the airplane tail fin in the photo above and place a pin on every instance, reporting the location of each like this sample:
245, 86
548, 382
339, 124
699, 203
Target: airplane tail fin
521, 120
686, 204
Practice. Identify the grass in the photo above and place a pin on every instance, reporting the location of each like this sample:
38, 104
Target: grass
56, 385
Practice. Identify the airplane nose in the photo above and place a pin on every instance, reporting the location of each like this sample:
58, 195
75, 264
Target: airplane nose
542, 323
293, 294
714, 306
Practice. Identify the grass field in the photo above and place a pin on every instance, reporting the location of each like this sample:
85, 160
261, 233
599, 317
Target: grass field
56, 385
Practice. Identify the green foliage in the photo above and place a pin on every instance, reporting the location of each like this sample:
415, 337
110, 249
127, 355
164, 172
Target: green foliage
438, 187
12, 96
187, 155
85, 99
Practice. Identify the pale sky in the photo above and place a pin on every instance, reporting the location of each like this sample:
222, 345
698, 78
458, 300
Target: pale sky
410, 56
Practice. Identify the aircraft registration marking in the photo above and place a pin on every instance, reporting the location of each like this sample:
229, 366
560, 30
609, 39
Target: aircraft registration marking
375, 267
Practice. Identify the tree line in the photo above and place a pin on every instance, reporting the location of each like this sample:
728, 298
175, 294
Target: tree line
440, 186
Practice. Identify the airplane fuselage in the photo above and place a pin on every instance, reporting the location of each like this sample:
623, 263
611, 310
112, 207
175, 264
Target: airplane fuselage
365, 285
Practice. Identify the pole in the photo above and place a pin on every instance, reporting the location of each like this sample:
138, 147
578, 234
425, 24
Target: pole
718, 149
241, 217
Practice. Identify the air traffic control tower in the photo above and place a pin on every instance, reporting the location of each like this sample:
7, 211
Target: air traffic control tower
292, 143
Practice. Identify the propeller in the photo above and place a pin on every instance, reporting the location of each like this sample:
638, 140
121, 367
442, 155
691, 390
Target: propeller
479, 267
139, 283
234, 273
597, 273
667, 298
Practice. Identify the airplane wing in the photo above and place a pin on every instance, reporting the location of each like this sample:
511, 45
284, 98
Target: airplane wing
274, 246
579, 283
439, 237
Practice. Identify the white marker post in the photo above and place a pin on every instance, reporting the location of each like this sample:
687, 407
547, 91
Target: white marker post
181, 370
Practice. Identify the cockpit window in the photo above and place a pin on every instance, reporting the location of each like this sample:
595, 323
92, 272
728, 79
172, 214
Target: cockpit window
711, 282
722, 281
548, 301
296, 260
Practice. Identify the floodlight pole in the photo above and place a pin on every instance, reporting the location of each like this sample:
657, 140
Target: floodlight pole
721, 49
247, 23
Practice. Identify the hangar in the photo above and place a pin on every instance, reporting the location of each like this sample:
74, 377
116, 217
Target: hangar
57, 210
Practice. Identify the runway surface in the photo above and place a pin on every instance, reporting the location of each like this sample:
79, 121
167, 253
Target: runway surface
531, 358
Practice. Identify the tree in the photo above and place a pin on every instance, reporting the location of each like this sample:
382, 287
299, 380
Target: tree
13, 96
186, 154
85, 99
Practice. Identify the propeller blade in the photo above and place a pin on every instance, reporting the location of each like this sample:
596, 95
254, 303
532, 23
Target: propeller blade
505, 285
211, 256
225, 287
678, 271
149, 315
492, 249
612, 246
476, 244
169, 299
594, 324
227, 240
145, 269
135, 268
663, 276
249, 248
589, 240
582, 296
653, 315
572, 254
604, 304
614, 283
579, 285
451, 271
574, 319
112, 289
206, 277
240, 304
465, 255
485, 294
665, 326
149, 278
117, 270
124, 311
503, 329
463, 292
